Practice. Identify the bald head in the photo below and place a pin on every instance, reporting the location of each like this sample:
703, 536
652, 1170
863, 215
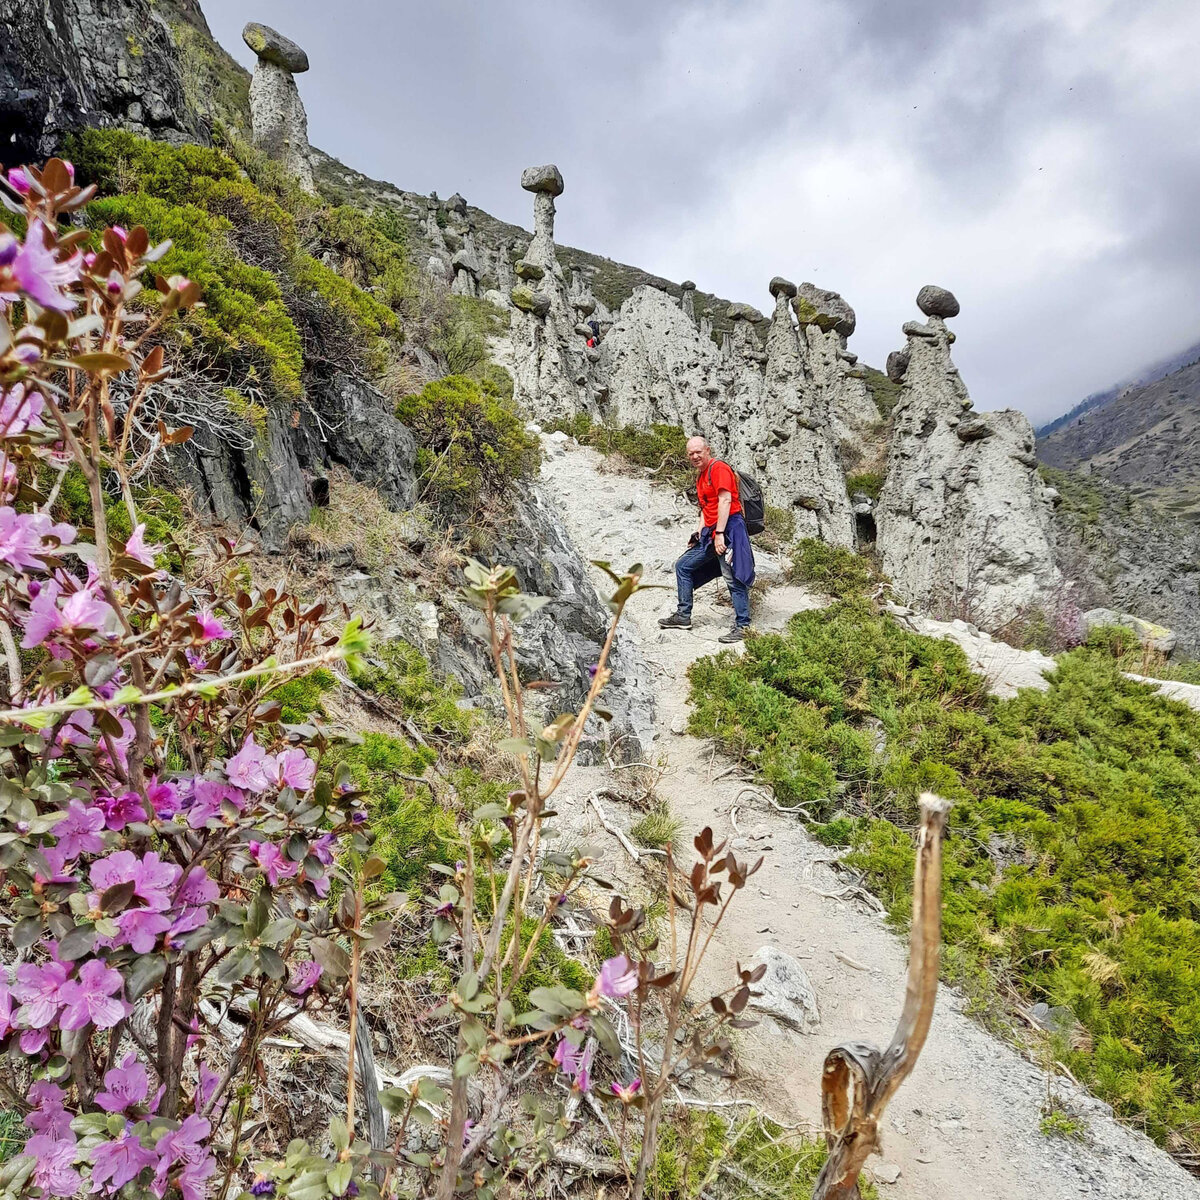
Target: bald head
699, 452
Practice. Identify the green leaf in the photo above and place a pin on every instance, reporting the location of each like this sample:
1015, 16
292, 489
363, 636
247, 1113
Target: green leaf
517, 746
466, 1066
128, 695
147, 971
339, 1178
77, 943
101, 362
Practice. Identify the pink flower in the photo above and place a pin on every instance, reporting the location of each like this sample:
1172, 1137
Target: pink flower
23, 535
304, 978
79, 832
18, 181
121, 810
207, 797
20, 411
136, 547
150, 876
295, 769
626, 1092
141, 928
211, 628
618, 977
251, 767
93, 997
163, 797
322, 849
48, 1115
576, 1063
207, 1085
124, 1086
197, 888
120, 231
40, 275
115, 1163
54, 1172
40, 991
6, 1011
184, 1145
272, 863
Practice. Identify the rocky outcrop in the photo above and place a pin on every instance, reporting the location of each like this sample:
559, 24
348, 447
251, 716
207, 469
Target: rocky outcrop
276, 110
964, 518
71, 64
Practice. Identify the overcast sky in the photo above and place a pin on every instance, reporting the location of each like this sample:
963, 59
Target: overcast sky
1040, 158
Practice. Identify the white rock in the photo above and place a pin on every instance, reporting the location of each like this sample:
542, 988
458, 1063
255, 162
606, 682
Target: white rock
787, 994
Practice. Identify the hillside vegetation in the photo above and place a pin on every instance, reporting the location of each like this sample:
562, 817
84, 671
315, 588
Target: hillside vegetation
1074, 852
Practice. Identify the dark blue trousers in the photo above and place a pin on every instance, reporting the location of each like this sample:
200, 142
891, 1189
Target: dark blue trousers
701, 564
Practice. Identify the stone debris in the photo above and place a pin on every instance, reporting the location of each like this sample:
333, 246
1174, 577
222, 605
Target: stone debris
785, 992
280, 125
1156, 637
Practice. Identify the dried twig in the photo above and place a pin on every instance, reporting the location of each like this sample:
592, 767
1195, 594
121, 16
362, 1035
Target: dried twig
633, 851
859, 1080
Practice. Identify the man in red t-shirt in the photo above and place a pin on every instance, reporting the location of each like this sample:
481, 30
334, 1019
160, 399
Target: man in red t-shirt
720, 547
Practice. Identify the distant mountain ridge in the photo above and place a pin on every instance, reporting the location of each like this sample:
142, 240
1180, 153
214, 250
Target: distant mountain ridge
1146, 437
1152, 374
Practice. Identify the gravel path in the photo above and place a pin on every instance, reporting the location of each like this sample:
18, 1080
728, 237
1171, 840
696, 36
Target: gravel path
966, 1126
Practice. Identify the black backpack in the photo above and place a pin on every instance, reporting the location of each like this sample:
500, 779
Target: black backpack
751, 497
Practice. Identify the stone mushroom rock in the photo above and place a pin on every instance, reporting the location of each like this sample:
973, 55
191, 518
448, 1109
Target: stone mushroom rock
457, 204
936, 301
687, 298
785, 992
824, 309
271, 46
545, 183
529, 270
744, 312
527, 300
782, 287
280, 125
963, 520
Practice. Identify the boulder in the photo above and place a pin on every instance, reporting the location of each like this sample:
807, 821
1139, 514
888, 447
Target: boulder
973, 430
457, 204
744, 312
782, 287
824, 309
936, 301
897, 364
543, 179
528, 270
785, 992
1156, 637
271, 46
687, 286
527, 300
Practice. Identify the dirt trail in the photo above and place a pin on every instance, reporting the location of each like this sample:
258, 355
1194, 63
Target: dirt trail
966, 1125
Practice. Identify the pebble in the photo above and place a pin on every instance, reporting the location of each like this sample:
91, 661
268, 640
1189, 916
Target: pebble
679, 724
886, 1172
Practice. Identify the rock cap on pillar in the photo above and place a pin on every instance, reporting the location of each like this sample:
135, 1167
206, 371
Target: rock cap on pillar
936, 301
271, 46
824, 309
782, 287
543, 179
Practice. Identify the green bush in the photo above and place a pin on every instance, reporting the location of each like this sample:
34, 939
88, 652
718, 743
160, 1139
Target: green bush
884, 392
399, 672
301, 695
661, 448
870, 483
1071, 864
472, 444
831, 569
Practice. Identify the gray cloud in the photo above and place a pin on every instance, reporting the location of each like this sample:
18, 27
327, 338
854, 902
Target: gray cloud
1037, 156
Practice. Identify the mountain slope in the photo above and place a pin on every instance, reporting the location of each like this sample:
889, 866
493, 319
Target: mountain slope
1148, 438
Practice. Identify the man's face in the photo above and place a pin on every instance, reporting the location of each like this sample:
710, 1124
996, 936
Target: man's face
698, 453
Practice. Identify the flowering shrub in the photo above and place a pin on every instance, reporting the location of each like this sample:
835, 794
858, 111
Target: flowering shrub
184, 873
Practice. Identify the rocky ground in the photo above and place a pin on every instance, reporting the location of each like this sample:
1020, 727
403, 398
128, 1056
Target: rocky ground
967, 1124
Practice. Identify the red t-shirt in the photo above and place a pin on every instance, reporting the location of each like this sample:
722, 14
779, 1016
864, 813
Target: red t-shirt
717, 477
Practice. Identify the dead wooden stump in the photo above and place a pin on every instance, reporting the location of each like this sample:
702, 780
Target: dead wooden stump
859, 1079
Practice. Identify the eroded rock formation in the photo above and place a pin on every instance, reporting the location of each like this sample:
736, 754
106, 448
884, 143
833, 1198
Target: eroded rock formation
964, 518
276, 110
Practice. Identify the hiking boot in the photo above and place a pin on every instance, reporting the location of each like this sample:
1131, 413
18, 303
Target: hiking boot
736, 634
675, 621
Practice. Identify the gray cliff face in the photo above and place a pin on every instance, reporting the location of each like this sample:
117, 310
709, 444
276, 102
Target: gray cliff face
964, 518
71, 64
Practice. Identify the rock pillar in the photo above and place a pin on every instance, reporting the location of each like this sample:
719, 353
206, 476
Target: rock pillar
687, 301
545, 183
276, 111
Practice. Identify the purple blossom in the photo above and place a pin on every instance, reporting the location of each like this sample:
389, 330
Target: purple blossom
23, 536
618, 977
184, 1145
251, 767
272, 863
83, 610
150, 875
79, 831
40, 275
136, 547
576, 1063
94, 997
211, 628
122, 810
197, 888
163, 797
6, 1011
124, 1086
54, 1172
206, 1086
141, 928
322, 849
116, 1163
262, 1186
18, 181
626, 1092
20, 411
304, 977
295, 769
592, 669
39, 990
48, 1115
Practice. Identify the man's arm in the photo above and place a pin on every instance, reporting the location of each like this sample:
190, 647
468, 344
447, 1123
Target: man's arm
724, 504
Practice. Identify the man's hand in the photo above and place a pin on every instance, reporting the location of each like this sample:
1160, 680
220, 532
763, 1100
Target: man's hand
719, 543
694, 540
